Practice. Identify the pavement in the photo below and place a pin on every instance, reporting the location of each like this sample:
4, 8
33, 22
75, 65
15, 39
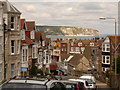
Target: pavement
102, 86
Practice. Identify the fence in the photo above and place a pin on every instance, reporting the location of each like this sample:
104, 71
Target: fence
115, 81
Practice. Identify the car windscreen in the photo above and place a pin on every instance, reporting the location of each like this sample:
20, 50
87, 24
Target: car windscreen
90, 81
81, 84
12, 86
70, 86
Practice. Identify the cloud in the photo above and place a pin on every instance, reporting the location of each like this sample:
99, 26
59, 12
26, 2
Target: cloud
84, 14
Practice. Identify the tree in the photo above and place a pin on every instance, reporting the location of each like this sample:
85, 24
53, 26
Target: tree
33, 70
117, 63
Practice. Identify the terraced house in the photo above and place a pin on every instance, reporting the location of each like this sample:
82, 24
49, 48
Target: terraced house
11, 30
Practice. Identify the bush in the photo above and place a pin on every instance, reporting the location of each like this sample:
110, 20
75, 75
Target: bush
33, 71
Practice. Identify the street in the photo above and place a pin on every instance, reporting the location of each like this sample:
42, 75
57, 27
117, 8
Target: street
102, 86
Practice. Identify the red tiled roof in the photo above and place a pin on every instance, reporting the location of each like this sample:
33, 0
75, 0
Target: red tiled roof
22, 22
30, 25
26, 41
27, 33
114, 39
39, 35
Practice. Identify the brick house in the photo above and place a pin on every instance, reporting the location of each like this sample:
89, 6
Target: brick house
114, 48
26, 48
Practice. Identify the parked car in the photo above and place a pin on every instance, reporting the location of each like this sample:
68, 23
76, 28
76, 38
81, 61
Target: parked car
73, 85
91, 81
85, 83
33, 84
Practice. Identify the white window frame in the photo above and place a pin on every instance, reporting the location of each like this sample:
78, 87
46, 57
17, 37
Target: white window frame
92, 44
77, 49
105, 59
12, 70
105, 69
80, 44
18, 46
104, 47
72, 43
82, 49
32, 34
22, 35
12, 23
64, 49
72, 49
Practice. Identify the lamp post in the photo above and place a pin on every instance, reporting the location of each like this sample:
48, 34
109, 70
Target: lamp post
115, 22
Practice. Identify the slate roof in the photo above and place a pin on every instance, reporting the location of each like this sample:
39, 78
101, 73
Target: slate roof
87, 52
76, 59
9, 8
64, 56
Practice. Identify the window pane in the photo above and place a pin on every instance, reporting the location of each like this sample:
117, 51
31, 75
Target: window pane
12, 19
12, 46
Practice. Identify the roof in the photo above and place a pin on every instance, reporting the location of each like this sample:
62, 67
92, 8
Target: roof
114, 40
86, 41
64, 56
87, 52
9, 8
39, 36
30, 25
75, 60
26, 41
22, 23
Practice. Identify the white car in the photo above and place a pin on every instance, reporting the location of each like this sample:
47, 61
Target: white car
91, 81
80, 80
32, 84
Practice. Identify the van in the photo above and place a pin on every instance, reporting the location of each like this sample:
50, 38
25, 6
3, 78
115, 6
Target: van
91, 81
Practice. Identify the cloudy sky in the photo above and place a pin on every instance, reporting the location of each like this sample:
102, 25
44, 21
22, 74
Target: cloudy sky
70, 13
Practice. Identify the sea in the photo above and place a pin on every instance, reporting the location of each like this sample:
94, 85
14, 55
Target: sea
73, 37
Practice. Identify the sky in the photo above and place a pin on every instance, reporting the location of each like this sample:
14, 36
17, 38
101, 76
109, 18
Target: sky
70, 13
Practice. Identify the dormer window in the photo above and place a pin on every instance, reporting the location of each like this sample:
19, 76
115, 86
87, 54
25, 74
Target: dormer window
80, 44
12, 22
91, 44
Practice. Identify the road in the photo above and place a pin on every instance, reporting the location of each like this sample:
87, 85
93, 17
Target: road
102, 86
